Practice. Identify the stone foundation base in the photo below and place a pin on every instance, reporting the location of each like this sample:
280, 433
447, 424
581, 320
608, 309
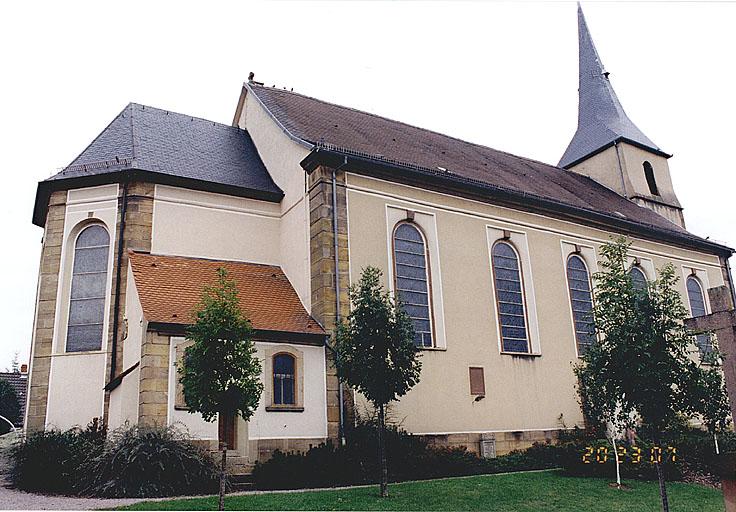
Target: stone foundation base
262, 449
496, 443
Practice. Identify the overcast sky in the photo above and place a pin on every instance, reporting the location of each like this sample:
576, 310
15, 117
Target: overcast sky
503, 74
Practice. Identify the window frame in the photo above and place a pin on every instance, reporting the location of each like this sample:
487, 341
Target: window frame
268, 381
82, 228
650, 178
524, 302
569, 293
701, 289
428, 276
293, 381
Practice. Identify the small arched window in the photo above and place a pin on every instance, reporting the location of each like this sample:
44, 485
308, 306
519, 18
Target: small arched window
89, 280
638, 279
412, 280
697, 308
651, 181
581, 300
510, 298
284, 380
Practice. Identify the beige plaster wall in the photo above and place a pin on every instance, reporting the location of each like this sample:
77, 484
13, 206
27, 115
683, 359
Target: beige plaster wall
124, 398
308, 424
282, 155
206, 225
76, 379
522, 392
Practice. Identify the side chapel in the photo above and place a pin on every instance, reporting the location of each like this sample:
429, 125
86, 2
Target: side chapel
491, 253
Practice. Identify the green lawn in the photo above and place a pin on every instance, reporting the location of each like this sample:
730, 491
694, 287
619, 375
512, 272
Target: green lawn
535, 491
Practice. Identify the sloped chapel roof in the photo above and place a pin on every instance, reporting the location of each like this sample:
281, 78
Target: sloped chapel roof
375, 145
166, 147
170, 288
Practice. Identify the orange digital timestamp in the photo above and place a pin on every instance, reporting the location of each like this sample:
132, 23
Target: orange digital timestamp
634, 454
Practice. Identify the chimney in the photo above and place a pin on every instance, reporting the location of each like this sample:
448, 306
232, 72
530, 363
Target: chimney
24, 368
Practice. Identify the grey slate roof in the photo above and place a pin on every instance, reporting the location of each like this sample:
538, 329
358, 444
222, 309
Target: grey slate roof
19, 382
171, 146
601, 118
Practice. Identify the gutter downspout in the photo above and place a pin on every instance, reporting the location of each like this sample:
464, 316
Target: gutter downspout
118, 269
338, 317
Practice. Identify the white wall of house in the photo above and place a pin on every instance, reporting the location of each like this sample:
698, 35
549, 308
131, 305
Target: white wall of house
76, 379
310, 423
124, 399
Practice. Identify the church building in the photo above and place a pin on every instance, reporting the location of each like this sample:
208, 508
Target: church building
491, 253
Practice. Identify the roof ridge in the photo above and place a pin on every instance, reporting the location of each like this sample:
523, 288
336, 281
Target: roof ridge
203, 258
194, 118
129, 105
378, 116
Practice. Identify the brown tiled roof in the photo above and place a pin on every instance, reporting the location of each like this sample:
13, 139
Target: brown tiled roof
351, 131
170, 288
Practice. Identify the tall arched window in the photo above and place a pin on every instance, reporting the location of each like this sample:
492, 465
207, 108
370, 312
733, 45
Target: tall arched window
412, 280
651, 181
581, 299
89, 279
638, 279
284, 389
509, 298
697, 308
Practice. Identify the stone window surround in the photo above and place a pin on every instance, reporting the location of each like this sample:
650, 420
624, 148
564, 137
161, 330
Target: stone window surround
518, 240
298, 356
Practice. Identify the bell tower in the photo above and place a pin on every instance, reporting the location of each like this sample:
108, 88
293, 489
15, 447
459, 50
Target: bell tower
609, 148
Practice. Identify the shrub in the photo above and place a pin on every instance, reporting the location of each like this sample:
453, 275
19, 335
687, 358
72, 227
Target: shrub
409, 458
150, 462
9, 406
51, 461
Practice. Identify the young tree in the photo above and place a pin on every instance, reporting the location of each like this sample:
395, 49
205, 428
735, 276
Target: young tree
220, 372
375, 351
641, 371
9, 407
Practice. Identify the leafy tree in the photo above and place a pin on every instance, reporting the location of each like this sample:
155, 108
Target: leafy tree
375, 351
9, 406
220, 372
642, 371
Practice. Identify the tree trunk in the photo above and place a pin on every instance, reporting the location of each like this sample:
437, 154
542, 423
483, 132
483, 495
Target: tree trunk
382, 450
662, 487
222, 436
618, 462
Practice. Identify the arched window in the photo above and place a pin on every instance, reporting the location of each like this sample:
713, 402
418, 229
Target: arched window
638, 279
509, 298
412, 280
581, 299
284, 380
89, 280
651, 181
697, 308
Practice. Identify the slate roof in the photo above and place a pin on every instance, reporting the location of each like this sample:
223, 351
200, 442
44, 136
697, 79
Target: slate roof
19, 382
170, 288
601, 118
431, 155
170, 148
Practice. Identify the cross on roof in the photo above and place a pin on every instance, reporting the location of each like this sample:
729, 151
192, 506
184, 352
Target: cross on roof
723, 323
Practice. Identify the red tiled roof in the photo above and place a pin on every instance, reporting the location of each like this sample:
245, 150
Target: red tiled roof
170, 288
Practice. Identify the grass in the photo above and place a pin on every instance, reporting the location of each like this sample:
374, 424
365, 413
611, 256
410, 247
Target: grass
519, 492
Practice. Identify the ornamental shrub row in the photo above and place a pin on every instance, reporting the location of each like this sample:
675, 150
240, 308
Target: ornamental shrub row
130, 462
409, 458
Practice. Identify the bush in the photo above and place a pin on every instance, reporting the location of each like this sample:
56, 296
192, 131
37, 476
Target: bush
9, 406
409, 458
136, 461
51, 461
150, 462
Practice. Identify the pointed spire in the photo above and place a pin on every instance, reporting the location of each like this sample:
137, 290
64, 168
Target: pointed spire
601, 118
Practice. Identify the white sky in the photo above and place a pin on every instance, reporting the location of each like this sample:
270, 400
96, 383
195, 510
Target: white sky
503, 74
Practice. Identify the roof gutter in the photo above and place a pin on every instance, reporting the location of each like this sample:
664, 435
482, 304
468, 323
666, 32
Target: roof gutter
391, 170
